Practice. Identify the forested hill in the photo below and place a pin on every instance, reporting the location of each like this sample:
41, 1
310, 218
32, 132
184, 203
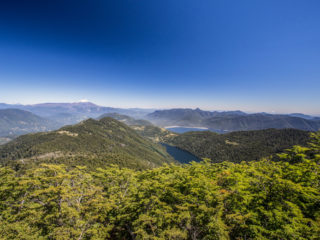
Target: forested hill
261, 121
92, 143
126, 119
239, 146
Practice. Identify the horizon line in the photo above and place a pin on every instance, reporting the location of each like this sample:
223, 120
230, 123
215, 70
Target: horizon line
168, 108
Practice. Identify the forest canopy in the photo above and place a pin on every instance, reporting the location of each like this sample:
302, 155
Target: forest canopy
250, 200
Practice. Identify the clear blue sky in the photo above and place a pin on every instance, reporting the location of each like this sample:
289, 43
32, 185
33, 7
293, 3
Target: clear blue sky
213, 54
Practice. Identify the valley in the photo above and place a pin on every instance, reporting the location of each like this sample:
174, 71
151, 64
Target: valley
130, 142
124, 176
118, 203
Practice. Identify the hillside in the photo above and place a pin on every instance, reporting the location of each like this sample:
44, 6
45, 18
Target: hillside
126, 119
154, 133
239, 146
143, 127
92, 143
261, 121
231, 120
18, 122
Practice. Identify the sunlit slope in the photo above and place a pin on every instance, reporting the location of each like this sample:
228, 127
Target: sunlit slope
92, 143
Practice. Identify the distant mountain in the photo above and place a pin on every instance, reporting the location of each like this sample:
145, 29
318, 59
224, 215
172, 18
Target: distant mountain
261, 121
5, 106
239, 146
71, 113
126, 119
4, 140
186, 116
230, 121
300, 115
92, 143
16, 122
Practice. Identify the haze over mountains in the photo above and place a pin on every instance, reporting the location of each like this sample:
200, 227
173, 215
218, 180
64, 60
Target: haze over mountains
70, 113
17, 122
21, 119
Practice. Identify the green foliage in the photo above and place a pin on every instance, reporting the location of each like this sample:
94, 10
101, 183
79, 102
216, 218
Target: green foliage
51, 202
251, 200
156, 134
239, 146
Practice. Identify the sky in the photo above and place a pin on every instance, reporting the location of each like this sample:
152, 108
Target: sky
214, 54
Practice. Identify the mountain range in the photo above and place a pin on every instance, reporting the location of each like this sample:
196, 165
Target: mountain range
231, 120
70, 113
119, 139
17, 119
21, 119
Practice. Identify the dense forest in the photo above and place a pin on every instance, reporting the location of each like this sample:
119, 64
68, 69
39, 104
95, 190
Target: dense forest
239, 146
251, 200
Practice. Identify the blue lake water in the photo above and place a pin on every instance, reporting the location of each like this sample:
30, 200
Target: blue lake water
188, 129
181, 155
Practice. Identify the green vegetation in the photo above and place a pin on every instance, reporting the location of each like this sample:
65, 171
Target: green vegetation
92, 143
154, 133
251, 200
126, 119
239, 146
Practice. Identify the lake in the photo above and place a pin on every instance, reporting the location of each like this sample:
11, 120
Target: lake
190, 129
180, 155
